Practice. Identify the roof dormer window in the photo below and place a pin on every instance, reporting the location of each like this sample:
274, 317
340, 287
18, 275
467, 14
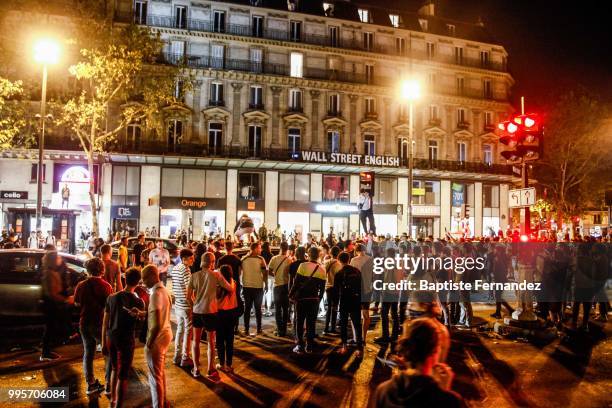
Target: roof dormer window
328, 9
292, 5
424, 24
395, 20
364, 15
451, 29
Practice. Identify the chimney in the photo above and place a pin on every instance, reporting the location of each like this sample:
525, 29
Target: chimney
428, 9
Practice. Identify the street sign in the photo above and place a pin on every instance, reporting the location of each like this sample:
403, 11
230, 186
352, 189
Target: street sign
522, 197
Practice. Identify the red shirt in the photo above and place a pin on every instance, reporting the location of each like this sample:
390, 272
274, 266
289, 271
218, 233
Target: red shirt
91, 295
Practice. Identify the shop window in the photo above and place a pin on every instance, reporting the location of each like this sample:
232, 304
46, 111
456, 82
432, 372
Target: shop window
333, 141
215, 183
294, 187
490, 196
193, 183
385, 191
126, 185
172, 183
293, 142
251, 186
426, 192
215, 138
335, 188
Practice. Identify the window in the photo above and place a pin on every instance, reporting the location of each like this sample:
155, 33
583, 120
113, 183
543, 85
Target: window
433, 113
368, 40
256, 97
215, 138
402, 148
257, 26
133, 136
395, 20
487, 90
126, 185
180, 16
294, 187
424, 24
461, 116
34, 173
460, 85
328, 9
364, 15
292, 5
217, 52
487, 154
426, 192
335, 188
432, 150
295, 31
334, 105
254, 140
369, 145
462, 151
297, 61
369, 73
458, 55
333, 36
597, 219
488, 120
370, 106
295, 100
179, 86
175, 133
385, 190
490, 196
484, 59
140, 12
400, 45
216, 94
256, 55
218, 21
431, 50
251, 186
451, 29
333, 141
293, 142
177, 49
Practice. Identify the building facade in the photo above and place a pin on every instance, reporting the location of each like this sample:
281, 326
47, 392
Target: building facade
288, 102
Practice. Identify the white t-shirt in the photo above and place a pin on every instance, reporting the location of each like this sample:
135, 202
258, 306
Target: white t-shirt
160, 300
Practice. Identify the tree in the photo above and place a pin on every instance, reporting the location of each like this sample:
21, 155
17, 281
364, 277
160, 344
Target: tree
12, 115
121, 85
577, 153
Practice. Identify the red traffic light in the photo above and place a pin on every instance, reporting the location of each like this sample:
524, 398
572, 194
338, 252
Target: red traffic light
508, 127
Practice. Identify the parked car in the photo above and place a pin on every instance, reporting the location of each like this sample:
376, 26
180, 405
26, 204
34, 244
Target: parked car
20, 283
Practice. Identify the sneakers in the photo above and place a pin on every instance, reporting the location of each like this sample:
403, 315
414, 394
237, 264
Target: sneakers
213, 375
49, 357
94, 387
298, 349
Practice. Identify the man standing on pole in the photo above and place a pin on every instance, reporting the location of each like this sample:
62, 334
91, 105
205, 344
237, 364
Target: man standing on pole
366, 212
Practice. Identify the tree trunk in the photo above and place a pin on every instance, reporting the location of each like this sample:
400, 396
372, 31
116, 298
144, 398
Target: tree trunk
92, 194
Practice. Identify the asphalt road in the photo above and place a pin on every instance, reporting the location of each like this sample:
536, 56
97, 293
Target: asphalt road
573, 371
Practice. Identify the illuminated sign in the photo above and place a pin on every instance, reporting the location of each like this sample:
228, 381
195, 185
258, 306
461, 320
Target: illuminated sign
125, 211
336, 208
14, 195
348, 158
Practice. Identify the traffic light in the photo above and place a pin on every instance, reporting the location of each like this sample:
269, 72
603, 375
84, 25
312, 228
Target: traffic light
465, 211
523, 135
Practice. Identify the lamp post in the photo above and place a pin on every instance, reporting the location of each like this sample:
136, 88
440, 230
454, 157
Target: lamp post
410, 91
45, 52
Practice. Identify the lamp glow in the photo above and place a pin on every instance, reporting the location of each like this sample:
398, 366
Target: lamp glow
411, 90
46, 51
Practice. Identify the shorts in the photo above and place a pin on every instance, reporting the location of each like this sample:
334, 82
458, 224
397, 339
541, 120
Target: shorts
206, 321
121, 354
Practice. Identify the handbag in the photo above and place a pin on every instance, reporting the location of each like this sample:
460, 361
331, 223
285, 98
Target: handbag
294, 294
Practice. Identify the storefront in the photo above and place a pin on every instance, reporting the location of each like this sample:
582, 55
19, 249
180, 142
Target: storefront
125, 219
491, 223
62, 224
426, 208
294, 205
192, 200
462, 209
386, 207
125, 209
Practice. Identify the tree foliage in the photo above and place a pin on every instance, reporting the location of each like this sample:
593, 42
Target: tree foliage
577, 153
12, 114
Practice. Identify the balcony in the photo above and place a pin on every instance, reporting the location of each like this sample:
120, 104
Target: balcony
246, 30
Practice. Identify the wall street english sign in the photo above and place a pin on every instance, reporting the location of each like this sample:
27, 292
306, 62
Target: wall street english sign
348, 158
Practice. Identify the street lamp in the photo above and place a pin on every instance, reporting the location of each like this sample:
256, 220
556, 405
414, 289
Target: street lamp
410, 92
46, 51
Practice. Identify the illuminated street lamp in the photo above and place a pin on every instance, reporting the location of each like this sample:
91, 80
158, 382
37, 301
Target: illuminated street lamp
410, 92
46, 52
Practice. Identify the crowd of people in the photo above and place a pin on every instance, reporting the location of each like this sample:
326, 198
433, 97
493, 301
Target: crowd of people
211, 290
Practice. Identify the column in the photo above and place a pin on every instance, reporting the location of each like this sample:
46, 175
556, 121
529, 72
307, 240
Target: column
196, 135
353, 136
149, 190
236, 97
271, 193
387, 136
402, 199
314, 120
445, 206
449, 143
232, 197
477, 128
354, 188
478, 209
504, 212
276, 91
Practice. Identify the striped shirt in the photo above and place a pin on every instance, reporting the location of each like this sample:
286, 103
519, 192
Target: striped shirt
180, 279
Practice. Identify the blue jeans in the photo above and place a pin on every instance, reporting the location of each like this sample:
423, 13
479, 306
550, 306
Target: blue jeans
91, 337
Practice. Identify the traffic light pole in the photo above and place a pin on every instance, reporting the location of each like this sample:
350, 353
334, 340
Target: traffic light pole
526, 226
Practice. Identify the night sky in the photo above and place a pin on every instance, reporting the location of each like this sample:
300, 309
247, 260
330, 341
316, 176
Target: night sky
552, 45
